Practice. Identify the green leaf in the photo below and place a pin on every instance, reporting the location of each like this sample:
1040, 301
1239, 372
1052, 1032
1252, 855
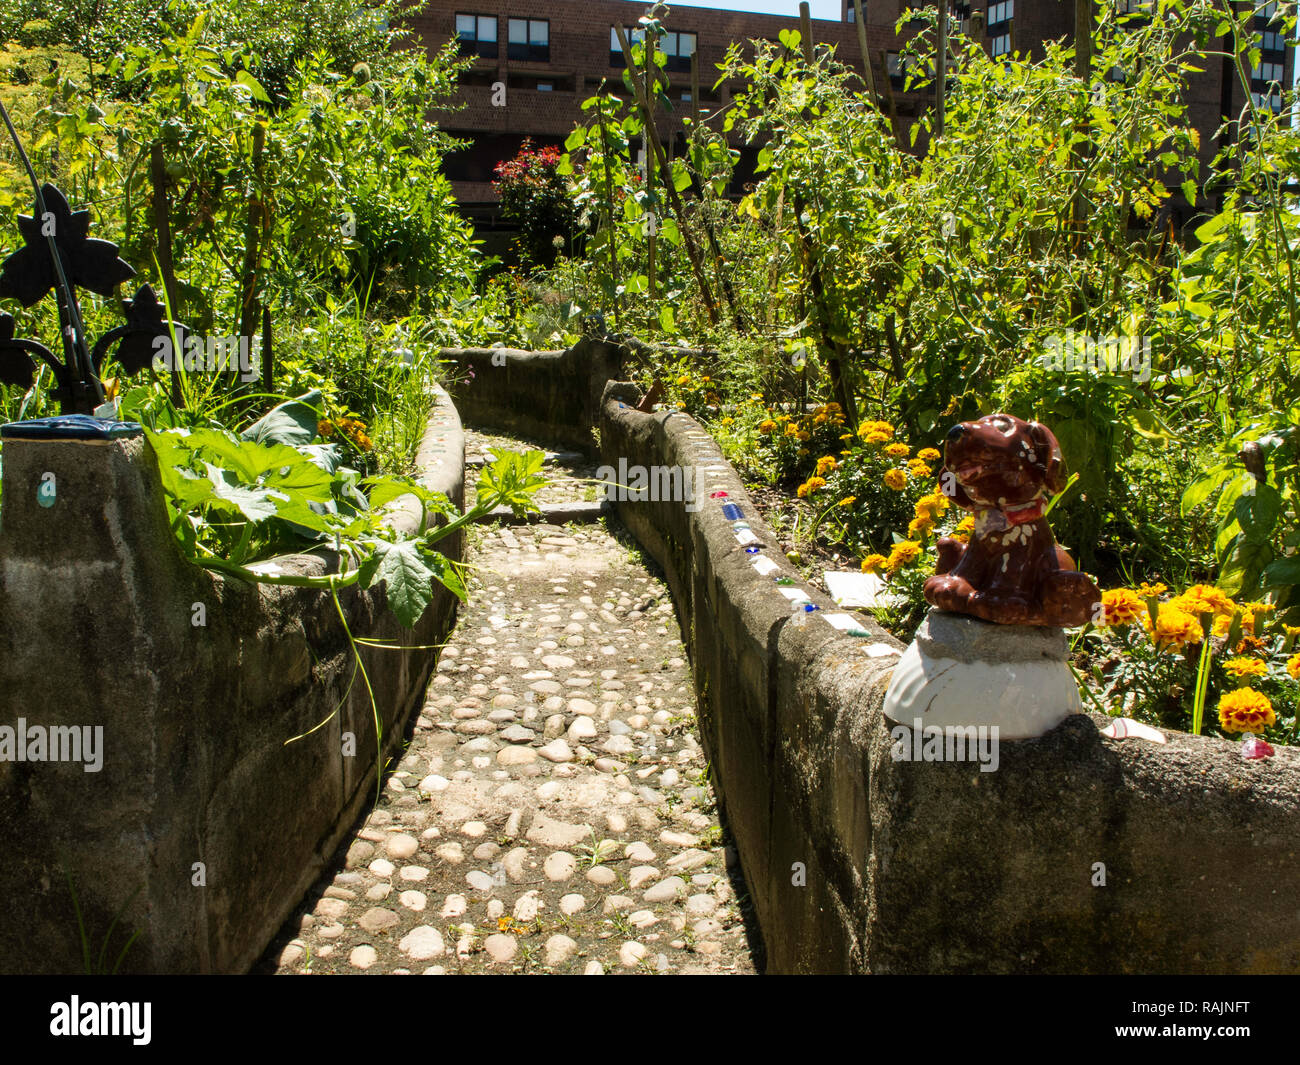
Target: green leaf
409, 580
254, 86
1241, 570
293, 422
1283, 572
667, 321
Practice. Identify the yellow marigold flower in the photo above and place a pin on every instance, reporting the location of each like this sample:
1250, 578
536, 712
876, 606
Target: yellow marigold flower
1174, 629
758, 396
928, 454
906, 552
846, 436
803, 453
706, 380
1222, 623
895, 479
683, 379
791, 429
1151, 591
847, 501
920, 471
1204, 599
882, 431
967, 524
1293, 666
1245, 710
802, 491
819, 419
898, 451
875, 563
816, 484
766, 425
726, 421
960, 537
1244, 667
325, 427
919, 527
1122, 605
1291, 630
712, 397
803, 434
1259, 608
826, 464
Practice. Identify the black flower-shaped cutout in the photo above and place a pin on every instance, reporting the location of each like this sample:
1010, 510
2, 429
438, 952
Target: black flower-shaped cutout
28, 274
144, 335
17, 365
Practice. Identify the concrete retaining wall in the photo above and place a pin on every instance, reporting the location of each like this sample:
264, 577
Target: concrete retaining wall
97, 612
550, 394
861, 863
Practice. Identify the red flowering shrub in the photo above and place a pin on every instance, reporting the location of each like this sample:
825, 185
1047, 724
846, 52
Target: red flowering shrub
536, 199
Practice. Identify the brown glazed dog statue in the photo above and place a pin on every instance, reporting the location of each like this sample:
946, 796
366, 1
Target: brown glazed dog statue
1012, 572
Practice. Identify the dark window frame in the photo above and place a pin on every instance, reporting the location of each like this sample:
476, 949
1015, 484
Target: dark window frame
476, 46
527, 52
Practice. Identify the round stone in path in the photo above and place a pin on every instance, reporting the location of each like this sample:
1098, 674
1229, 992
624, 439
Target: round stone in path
363, 957
501, 948
377, 919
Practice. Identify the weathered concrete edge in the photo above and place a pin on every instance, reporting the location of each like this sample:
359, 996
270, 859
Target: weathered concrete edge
553, 395
440, 467
803, 756
226, 791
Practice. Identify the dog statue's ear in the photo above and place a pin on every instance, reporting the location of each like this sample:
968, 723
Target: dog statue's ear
951, 487
1049, 458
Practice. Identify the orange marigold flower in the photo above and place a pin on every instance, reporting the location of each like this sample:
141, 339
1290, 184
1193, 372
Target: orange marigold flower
928, 454
906, 552
1293, 666
1174, 629
1122, 605
895, 479
1244, 667
1204, 599
1245, 710
898, 451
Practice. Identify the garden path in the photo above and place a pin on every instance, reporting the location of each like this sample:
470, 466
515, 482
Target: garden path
552, 812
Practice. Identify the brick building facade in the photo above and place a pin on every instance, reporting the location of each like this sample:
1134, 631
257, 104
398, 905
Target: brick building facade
535, 62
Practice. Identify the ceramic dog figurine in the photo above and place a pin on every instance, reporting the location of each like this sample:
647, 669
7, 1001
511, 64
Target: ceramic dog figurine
1012, 572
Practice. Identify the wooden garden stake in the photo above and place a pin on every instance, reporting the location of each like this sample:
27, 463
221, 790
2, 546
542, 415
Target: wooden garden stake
652, 136
609, 200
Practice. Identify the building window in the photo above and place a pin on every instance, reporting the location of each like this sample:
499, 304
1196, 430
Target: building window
529, 40
1003, 11
678, 47
634, 37
1000, 45
545, 86
898, 68
477, 35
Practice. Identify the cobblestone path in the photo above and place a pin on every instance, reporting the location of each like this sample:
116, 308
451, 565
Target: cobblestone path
553, 811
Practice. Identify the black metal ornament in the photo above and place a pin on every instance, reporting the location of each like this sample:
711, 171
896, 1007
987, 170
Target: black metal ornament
59, 253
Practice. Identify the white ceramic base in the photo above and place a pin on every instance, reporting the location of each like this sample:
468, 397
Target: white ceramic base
1014, 684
